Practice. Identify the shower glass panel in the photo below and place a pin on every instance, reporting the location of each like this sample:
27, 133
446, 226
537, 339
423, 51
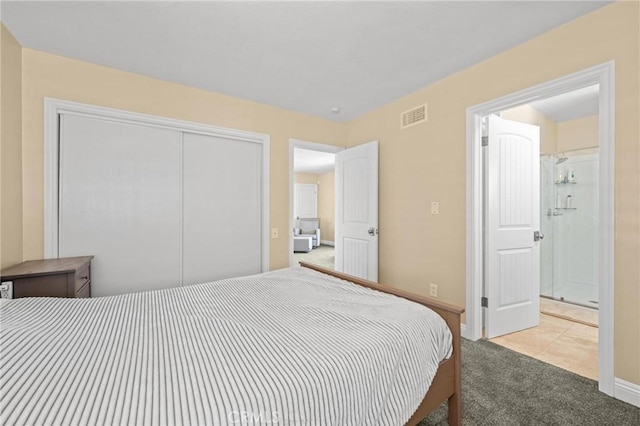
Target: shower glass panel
569, 221
547, 216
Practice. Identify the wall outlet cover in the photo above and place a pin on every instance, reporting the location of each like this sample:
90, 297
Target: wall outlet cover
6, 290
433, 290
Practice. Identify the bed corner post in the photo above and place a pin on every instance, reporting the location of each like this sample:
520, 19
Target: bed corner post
455, 400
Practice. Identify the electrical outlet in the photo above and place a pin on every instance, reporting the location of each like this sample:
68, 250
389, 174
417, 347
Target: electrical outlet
433, 290
6, 290
274, 232
435, 207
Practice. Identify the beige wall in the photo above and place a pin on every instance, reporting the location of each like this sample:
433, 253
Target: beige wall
10, 150
326, 206
426, 162
326, 201
555, 137
309, 178
548, 127
46, 75
578, 134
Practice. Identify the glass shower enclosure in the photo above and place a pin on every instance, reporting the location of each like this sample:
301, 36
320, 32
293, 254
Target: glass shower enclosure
569, 221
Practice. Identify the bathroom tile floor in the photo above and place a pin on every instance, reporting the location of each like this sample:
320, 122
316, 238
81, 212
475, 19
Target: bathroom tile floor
568, 311
570, 345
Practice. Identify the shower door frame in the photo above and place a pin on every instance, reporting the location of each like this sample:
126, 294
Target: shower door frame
604, 75
564, 287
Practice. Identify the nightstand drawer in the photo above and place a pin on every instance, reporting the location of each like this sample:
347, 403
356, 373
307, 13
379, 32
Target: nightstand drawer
49, 286
83, 276
84, 291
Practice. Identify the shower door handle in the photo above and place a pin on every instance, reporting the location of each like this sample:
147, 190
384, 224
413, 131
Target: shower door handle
551, 212
537, 236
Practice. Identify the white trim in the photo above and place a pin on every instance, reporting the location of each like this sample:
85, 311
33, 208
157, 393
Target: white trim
626, 391
603, 75
463, 330
54, 107
328, 243
474, 243
266, 173
51, 133
313, 146
606, 228
181, 235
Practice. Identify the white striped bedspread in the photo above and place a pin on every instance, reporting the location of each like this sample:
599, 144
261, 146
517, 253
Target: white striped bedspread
289, 347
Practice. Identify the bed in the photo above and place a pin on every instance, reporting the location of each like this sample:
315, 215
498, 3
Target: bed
301, 346
447, 382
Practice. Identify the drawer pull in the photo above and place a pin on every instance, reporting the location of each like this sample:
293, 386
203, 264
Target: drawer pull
85, 277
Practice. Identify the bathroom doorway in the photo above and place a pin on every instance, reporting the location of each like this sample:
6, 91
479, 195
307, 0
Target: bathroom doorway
567, 333
604, 76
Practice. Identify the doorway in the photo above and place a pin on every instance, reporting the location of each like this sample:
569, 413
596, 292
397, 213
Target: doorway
602, 75
312, 204
356, 207
565, 333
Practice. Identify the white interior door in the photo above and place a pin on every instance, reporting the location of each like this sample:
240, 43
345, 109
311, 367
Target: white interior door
356, 233
305, 200
119, 200
222, 208
512, 214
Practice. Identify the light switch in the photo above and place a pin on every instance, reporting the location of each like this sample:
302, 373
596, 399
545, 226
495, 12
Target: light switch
274, 232
435, 207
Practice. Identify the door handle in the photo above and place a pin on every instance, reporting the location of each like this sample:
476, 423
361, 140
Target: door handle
372, 231
537, 236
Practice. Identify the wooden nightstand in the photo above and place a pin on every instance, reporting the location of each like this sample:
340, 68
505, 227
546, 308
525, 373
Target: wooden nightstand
64, 277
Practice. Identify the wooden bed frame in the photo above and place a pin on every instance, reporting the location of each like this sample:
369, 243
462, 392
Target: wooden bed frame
446, 384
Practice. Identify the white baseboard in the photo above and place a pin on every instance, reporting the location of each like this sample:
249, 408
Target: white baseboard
626, 391
463, 330
327, 243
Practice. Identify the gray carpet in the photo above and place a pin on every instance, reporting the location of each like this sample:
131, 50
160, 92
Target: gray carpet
503, 387
322, 256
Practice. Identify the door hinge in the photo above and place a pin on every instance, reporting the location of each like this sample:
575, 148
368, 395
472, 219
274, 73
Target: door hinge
485, 141
484, 302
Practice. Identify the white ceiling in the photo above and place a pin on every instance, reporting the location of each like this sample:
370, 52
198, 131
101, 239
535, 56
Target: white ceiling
570, 106
316, 162
307, 56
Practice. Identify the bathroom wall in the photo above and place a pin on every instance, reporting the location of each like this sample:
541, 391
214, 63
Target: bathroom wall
578, 134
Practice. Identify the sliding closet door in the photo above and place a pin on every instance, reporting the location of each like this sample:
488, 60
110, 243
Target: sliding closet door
222, 208
120, 195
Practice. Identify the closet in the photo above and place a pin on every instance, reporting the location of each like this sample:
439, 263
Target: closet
158, 206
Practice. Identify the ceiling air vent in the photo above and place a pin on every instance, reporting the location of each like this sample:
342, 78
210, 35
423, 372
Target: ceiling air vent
414, 116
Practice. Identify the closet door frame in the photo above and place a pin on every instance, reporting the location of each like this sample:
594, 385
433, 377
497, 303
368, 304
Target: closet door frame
53, 108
